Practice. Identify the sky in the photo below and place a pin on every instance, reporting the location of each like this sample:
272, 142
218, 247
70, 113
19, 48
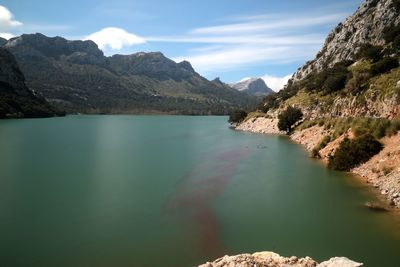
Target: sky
230, 39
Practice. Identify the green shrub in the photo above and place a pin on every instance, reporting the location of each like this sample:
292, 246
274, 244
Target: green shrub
354, 152
371, 52
237, 116
288, 118
324, 142
384, 65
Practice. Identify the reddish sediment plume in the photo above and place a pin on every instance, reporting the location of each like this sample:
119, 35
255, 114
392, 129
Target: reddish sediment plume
196, 192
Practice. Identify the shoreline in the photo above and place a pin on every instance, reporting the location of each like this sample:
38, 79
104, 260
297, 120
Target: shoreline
381, 173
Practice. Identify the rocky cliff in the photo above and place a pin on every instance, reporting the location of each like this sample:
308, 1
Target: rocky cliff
253, 86
367, 25
76, 76
16, 100
356, 73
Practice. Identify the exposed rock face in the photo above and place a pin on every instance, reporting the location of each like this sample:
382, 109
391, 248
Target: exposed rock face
270, 259
76, 76
253, 86
367, 25
16, 100
260, 125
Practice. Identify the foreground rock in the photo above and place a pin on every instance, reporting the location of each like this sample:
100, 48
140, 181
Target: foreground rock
270, 259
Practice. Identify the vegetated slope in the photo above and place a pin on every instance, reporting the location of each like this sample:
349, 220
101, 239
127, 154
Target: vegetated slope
253, 86
76, 76
357, 71
16, 100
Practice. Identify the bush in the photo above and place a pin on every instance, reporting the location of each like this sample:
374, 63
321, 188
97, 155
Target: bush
324, 142
354, 152
371, 52
288, 118
237, 116
384, 65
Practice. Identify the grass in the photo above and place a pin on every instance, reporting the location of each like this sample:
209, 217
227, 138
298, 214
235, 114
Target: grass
377, 127
255, 114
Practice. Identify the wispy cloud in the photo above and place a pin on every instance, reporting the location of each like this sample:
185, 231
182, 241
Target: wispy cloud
254, 39
264, 22
269, 38
7, 22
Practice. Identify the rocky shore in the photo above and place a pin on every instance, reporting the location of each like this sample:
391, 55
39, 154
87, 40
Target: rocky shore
271, 259
382, 171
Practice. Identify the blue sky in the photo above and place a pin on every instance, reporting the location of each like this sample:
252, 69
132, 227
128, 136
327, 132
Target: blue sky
231, 39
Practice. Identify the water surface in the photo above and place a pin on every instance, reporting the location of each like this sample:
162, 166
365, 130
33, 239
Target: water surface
174, 191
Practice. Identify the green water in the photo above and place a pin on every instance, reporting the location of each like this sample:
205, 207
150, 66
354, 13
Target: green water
174, 191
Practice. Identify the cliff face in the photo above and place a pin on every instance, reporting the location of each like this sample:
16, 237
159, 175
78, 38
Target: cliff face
356, 73
367, 25
16, 100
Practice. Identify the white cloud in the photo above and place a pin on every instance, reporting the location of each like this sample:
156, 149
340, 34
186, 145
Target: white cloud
114, 38
7, 22
6, 35
276, 83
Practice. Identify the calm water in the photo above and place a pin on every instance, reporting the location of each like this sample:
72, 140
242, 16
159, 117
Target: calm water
174, 191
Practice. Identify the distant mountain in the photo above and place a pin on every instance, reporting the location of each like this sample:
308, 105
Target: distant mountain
253, 86
77, 77
16, 100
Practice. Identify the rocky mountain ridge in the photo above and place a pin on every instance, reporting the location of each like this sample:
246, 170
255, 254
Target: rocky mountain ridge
367, 25
253, 86
355, 74
77, 77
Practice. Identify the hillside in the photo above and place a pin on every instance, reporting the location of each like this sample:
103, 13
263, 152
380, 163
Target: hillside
253, 86
344, 105
16, 100
356, 73
77, 77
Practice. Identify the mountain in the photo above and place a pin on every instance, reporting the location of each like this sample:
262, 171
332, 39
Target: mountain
77, 77
356, 73
3, 41
253, 86
16, 100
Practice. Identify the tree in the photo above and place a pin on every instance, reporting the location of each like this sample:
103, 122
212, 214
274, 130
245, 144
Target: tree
237, 116
288, 118
353, 152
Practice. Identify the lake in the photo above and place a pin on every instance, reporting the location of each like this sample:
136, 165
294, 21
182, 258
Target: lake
174, 191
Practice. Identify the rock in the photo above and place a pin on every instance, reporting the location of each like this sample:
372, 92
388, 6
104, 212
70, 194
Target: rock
384, 192
366, 25
339, 262
271, 259
396, 195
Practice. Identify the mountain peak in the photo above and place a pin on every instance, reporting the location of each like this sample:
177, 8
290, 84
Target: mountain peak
53, 46
254, 86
